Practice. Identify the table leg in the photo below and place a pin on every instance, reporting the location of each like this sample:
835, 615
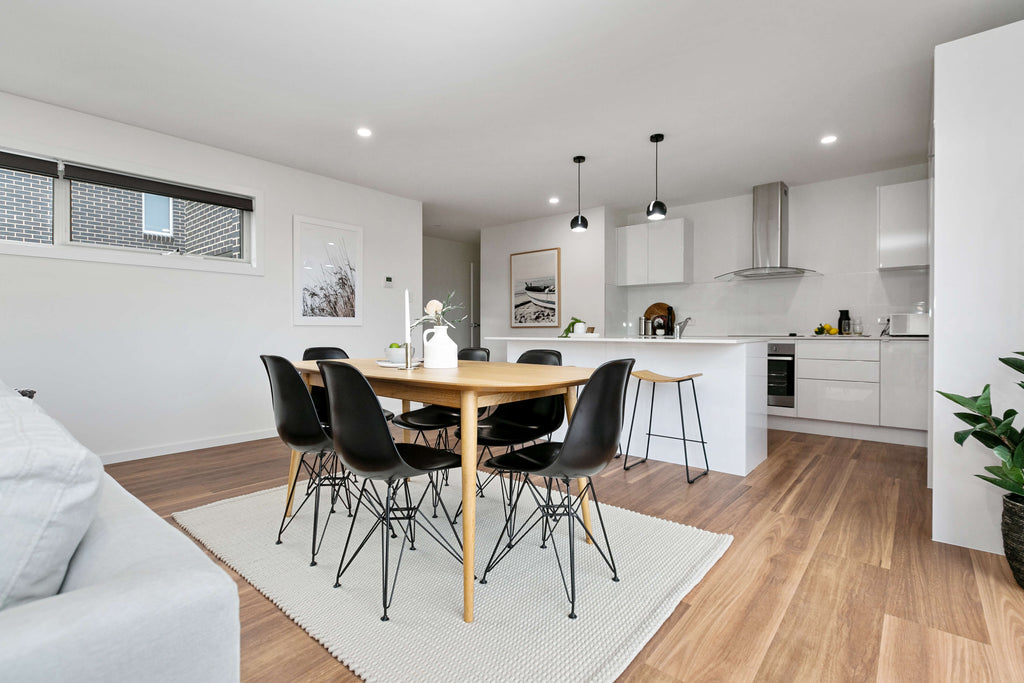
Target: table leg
293, 466
468, 448
406, 407
293, 473
570, 406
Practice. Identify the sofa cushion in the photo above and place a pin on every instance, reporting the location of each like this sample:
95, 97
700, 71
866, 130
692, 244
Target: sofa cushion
49, 491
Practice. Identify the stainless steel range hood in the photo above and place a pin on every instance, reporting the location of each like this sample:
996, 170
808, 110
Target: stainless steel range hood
770, 254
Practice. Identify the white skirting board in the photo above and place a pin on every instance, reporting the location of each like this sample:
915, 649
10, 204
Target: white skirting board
846, 430
182, 446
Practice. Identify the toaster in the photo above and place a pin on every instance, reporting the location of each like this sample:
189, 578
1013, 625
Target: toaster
909, 325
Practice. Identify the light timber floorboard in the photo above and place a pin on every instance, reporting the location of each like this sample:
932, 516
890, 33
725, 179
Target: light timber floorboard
832, 575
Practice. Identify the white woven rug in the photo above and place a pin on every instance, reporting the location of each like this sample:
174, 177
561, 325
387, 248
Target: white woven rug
520, 632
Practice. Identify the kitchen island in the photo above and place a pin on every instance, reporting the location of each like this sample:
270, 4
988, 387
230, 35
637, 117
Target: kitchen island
731, 392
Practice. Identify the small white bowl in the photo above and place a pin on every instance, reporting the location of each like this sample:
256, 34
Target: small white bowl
395, 355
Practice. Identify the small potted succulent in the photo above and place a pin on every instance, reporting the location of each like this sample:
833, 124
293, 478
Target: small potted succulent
1000, 436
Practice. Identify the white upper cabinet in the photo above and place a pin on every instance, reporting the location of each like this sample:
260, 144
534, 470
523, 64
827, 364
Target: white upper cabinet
655, 253
903, 225
632, 246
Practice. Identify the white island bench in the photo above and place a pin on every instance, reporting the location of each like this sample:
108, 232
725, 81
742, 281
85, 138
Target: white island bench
732, 392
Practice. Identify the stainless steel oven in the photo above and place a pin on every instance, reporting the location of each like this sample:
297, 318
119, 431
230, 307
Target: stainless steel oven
782, 375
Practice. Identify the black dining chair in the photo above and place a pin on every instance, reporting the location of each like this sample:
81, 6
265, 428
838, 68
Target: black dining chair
513, 424
300, 428
590, 444
365, 446
433, 417
319, 394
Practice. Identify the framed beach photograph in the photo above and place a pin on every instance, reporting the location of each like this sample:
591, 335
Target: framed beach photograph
327, 273
536, 287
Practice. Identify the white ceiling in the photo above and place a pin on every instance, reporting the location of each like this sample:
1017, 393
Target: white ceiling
478, 107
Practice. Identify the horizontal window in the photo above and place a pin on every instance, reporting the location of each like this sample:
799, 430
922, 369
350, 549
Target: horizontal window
115, 217
83, 213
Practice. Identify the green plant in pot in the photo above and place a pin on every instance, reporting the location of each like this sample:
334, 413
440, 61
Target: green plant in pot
1000, 436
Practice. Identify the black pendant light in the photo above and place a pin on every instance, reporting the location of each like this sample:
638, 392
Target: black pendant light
579, 221
656, 210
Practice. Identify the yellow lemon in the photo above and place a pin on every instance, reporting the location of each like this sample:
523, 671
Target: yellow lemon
833, 330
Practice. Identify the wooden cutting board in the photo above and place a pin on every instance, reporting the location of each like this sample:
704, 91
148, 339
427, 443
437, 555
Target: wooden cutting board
656, 309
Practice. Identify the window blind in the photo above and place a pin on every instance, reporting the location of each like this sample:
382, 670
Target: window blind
127, 182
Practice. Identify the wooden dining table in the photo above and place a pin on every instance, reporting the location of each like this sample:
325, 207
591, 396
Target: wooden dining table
472, 385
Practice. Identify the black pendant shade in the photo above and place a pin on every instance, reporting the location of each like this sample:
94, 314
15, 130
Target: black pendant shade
579, 221
656, 210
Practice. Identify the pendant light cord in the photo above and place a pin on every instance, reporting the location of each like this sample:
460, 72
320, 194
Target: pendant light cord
655, 171
579, 201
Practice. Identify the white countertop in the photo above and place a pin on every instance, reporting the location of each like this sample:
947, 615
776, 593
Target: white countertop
709, 340
639, 340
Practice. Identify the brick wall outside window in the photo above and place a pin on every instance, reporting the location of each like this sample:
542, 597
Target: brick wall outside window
113, 217
26, 207
108, 215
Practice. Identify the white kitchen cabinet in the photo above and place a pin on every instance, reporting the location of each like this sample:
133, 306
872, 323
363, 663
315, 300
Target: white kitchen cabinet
837, 380
631, 242
904, 384
654, 253
838, 349
903, 225
838, 401
844, 370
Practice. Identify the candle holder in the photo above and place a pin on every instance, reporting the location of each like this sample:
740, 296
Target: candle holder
408, 355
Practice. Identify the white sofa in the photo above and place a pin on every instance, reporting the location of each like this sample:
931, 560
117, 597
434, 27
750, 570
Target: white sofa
139, 601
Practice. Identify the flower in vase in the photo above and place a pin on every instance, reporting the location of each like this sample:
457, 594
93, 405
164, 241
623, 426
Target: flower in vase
436, 310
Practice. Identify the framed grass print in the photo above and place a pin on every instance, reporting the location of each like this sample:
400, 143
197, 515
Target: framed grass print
536, 288
327, 272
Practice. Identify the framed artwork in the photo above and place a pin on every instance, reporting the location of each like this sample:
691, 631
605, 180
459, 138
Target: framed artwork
327, 272
535, 282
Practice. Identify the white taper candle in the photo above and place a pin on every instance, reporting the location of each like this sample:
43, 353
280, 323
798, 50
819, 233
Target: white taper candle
408, 332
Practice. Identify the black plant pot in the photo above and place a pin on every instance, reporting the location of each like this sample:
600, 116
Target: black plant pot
1013, 535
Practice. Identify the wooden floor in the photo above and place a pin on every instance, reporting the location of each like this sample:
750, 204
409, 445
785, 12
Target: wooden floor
832, 574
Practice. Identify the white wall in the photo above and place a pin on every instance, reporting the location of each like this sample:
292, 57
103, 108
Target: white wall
978, 245
583, 273
832, 230
139, 361
445, 269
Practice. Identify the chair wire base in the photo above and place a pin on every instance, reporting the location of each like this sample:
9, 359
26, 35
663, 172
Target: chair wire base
405, 515
552, 508
325, 470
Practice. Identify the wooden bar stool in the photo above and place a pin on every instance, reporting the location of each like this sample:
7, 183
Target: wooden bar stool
655, 379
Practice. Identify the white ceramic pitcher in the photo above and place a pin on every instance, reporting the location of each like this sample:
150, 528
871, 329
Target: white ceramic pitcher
439, 350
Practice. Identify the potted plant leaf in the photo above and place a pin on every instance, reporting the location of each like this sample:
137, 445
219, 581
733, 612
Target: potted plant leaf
1000, 436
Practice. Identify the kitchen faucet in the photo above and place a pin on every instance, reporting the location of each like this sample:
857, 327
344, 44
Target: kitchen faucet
681, 327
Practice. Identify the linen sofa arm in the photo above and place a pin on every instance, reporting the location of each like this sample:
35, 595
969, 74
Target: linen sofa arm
160, 624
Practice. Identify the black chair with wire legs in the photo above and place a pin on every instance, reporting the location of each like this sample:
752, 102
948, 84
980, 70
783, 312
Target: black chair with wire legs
590, 444
319, 394
655, 379
513, 424
440, 418
300, 428
365, 447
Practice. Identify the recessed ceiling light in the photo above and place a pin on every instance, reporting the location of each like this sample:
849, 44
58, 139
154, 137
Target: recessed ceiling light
553, 200
364, 132
828, 139
330, 244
